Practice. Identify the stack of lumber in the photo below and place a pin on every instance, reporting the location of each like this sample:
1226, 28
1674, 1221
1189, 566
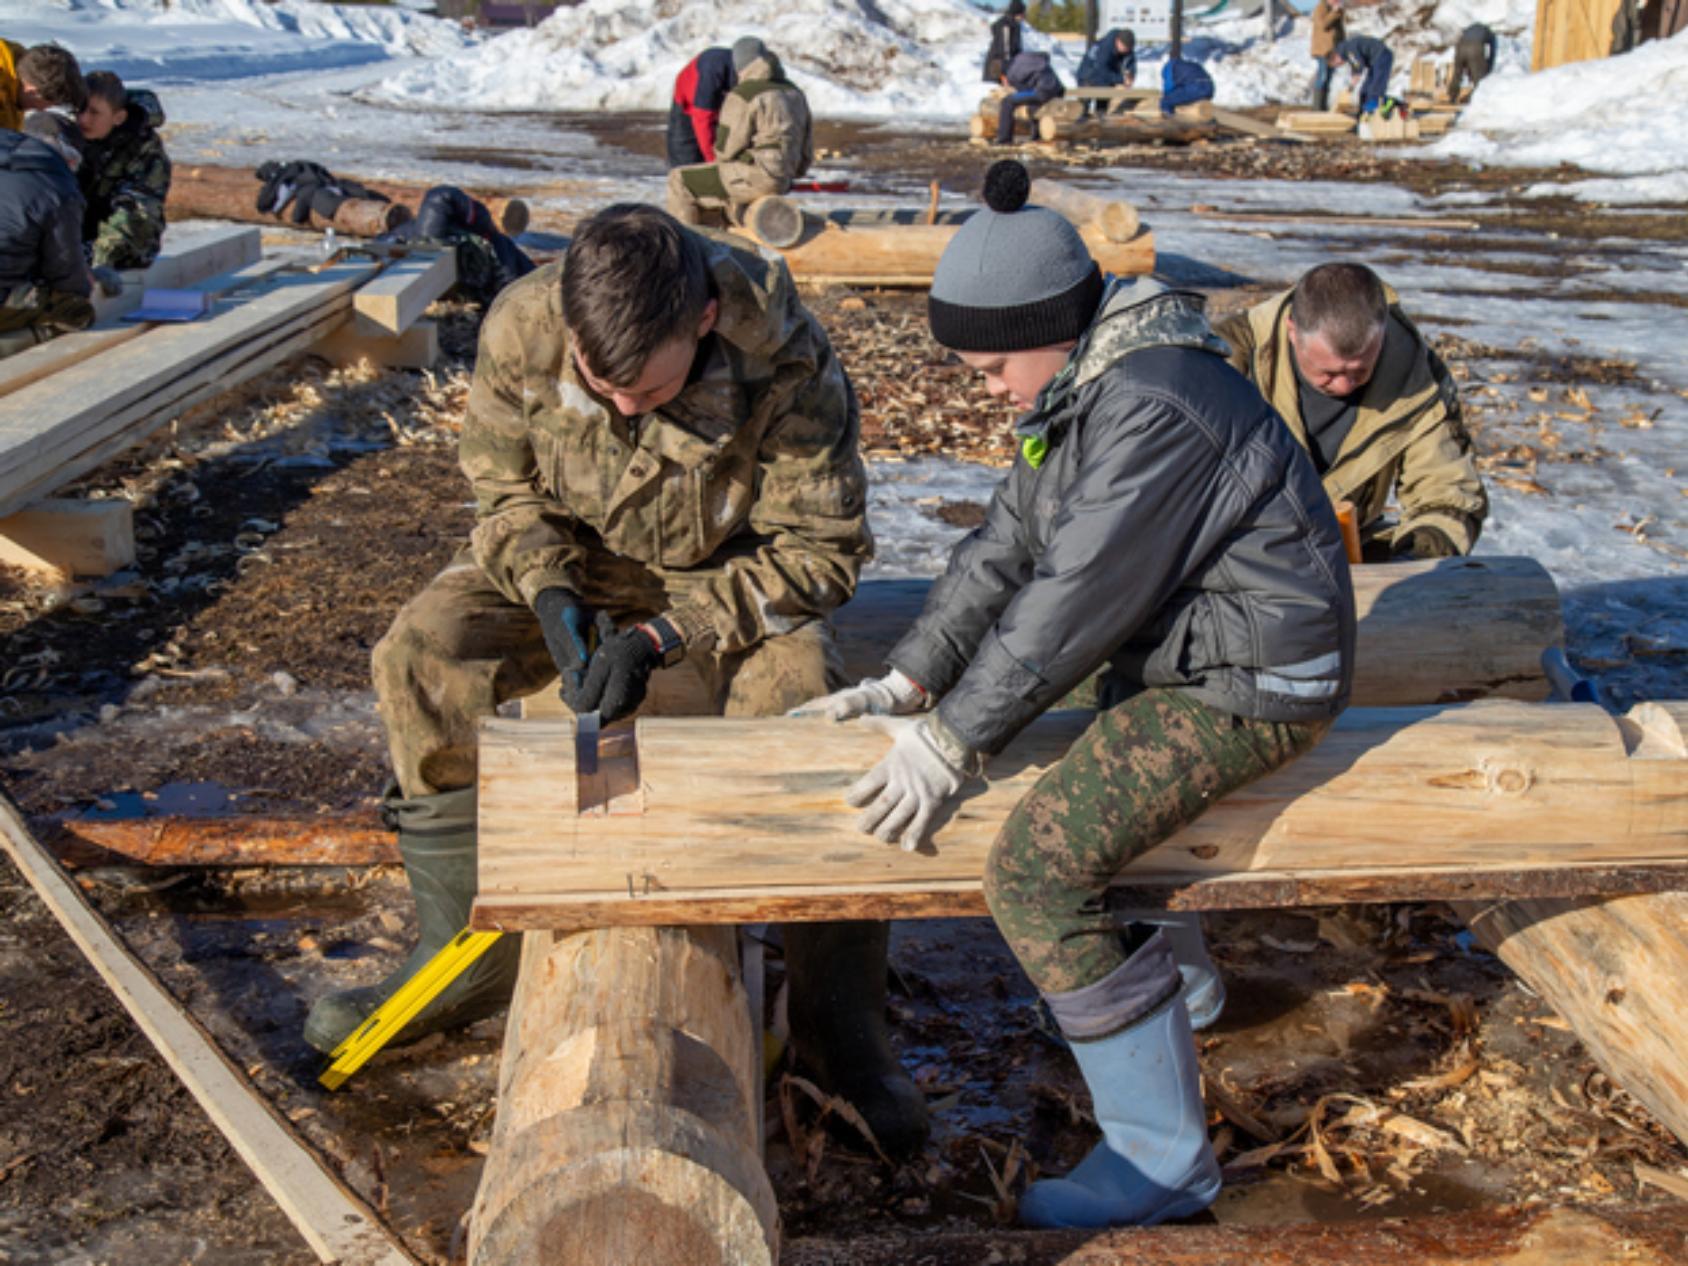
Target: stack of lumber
1316, 122
1397, 127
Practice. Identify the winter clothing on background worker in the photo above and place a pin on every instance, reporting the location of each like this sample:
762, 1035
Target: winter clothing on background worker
1031, 82
1474, 58
487, 260
308, 189
1005, 41
1370, 58
1402, 433
1329, 30
695, 111
1183, 82
45, 287
125, 177
1111, 62
765, 140
1153, 473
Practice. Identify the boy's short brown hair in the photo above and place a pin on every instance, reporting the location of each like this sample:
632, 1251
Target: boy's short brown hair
634, 278
105, 85
53, 72
1345, 302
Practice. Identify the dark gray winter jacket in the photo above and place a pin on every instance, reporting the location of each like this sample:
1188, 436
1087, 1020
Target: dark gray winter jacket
40, 218
1172, 526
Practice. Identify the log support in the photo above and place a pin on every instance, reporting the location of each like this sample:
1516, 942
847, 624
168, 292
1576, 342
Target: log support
417, 348
70, 538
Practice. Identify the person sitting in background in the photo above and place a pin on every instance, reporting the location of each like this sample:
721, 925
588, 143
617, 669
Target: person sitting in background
1369, 60
1005, 41
699, 89
1111, 62
487, 260
1183, 82
1474, 58
44, 281
1374, 405
764, 142
1329, 30
1031, 81
125, 175
37, 79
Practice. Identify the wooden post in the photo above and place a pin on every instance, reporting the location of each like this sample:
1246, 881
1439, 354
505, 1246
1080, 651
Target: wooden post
627, 1108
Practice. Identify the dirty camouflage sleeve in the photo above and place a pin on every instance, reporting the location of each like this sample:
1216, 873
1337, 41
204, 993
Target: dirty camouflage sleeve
1438, 485
524, 538
811, 503
132, 231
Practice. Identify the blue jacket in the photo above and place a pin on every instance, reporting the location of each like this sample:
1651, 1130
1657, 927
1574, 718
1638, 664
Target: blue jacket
1184, 82
1104, 66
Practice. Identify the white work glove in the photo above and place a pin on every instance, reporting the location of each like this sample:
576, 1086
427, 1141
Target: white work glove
890, 695
902, 794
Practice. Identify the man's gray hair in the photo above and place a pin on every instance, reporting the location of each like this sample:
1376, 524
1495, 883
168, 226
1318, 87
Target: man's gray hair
1344, 302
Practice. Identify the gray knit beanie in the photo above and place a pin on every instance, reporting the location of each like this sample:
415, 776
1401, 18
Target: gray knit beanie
747, 49
1013, 277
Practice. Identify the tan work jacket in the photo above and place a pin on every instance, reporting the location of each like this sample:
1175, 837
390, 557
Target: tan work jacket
765, 121
1409, 435
753, 471
1329, 29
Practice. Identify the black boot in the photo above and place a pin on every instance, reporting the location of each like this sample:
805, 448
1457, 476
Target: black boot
835, 974
437, 842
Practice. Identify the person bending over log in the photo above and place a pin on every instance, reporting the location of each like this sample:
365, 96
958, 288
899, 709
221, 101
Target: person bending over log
695, 110
37, 78
1474, 58
487, 260
1183, 82
1031, 82
1370, 61
44, 281
1378, 410
765, 141
1111, 62
125, 176
1153, 474
665, 457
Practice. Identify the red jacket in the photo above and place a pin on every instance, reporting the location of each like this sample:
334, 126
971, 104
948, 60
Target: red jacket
699, 90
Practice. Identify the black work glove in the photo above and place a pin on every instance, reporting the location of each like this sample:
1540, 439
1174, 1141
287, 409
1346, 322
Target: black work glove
622, 667
1425, 542
569, 636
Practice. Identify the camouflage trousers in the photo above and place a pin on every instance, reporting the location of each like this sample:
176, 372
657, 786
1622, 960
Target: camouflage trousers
34, 314
717, 187
130, 237
460, 649
1145, 768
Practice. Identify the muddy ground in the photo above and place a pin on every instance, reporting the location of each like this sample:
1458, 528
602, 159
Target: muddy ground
1372, 1062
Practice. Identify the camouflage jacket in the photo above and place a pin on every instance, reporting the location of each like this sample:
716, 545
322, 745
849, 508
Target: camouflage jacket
765, 120
125, 179
753, 471
1409, 436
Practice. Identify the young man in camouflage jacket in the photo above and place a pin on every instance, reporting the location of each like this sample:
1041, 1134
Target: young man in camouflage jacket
664, 454
125, 174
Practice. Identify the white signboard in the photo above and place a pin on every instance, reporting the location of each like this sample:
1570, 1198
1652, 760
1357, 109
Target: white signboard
1151, 20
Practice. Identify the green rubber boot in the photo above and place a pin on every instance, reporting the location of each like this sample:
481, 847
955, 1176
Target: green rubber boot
437, 842
835, 973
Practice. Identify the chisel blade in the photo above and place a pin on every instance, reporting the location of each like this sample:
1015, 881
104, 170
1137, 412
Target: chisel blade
586, 743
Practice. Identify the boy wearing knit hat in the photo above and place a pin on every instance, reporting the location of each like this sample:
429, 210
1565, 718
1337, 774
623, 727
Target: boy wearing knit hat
1160, 525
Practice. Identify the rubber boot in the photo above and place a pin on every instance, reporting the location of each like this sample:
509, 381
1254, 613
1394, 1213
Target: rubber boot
437, 842
1204, 989
1154, 1161
835, 976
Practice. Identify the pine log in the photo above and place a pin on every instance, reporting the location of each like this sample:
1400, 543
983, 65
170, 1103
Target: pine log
906, 255
626, 1108
231, 193
700, 820
774, 220
1117, 219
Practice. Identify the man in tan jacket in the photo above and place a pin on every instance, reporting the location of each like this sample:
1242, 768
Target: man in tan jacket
764, 141
1329, 30
1377, 409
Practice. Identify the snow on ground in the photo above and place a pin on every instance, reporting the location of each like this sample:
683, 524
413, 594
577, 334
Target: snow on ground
1626, 114
171, 41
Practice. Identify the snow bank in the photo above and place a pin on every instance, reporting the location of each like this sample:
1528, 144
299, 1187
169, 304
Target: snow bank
851, 57
175, 41
1626, 115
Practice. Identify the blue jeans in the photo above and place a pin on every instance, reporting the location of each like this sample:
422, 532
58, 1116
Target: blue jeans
1321, 84
1376, 85
1005, 117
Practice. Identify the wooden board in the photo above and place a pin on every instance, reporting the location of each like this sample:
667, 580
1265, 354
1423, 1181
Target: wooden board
73, 538
188, 257
335, 1223
417, 348
391, 303
724, 810
906, 255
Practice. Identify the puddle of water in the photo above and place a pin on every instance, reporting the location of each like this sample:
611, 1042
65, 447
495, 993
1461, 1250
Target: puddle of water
173, 799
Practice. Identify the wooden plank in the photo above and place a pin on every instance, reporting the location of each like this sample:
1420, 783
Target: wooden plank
1252, 127
908, 254
74, 538
698, 808
391, 303
187, 258
417, 348
17, 372
351, 839
337, 1225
